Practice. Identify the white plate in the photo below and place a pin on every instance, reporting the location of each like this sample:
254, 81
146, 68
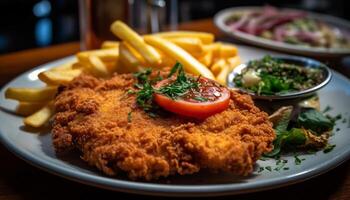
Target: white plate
222, 16
37, 149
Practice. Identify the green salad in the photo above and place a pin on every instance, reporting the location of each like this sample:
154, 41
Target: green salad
309, 130
269, 76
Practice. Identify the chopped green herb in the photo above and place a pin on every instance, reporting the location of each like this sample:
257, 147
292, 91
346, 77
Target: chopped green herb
280, 164
131, 92
129, 116
176, 68
338, 117
311, 151
180, 86
145, 96
260, 169
327, 108
138, 85
335, 118
157, 78
142, 76
268, 168
344, 121
329, 148
201, 99
285, 168
297, 160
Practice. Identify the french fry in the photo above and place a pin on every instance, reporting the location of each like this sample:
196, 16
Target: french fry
191, 45
134, 53
215, 48
41, 117
65, 66
127, 34
232, 63
28, 108
206, 59
31, 94
86, 66
106, 55
97, 67
222, 76
128, 61
59, 76
190, 63
109, 44
80, 65
227, 50
206, 38
166, 60
218, 66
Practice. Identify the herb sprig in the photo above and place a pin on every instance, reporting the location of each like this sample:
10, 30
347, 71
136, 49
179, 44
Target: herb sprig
180, 86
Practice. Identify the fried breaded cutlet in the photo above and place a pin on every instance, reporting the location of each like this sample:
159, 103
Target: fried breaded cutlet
101, 119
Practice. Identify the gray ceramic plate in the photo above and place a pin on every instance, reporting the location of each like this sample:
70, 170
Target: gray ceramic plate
221, 17
36, 149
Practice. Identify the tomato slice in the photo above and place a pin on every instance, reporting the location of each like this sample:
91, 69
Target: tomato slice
217, 100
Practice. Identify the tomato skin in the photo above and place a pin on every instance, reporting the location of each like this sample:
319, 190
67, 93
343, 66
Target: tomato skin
198, 110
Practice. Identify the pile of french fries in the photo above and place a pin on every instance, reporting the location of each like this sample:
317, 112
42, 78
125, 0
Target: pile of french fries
197, 51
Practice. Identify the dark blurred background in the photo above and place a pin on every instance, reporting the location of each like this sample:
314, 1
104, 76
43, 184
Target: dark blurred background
37, 23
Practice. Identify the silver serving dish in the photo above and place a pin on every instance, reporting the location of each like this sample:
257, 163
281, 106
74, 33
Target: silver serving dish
300, 61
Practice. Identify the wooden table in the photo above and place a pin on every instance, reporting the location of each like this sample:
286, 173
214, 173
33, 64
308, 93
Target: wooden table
19, 180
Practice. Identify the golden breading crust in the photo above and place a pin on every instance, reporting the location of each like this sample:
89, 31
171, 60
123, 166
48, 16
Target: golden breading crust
92, 116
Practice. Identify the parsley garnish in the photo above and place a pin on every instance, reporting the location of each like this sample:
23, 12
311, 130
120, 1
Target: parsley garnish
298, 160
131, 92
129, 116
280, 164
201, 99
268, 168
328, 108
176, 67
143, 76
179, 87
329, 148
145, 96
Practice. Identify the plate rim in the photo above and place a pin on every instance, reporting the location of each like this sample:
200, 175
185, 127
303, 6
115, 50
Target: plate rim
164, 189
220, 17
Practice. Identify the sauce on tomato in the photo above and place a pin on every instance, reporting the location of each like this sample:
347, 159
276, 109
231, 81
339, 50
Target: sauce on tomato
207, 90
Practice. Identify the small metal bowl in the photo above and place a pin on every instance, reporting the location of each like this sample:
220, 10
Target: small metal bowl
300, 61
